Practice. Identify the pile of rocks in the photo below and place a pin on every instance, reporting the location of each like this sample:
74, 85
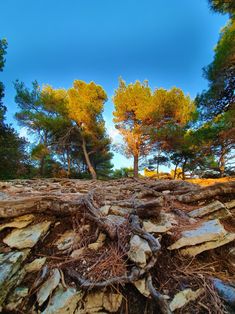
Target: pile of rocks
70, 246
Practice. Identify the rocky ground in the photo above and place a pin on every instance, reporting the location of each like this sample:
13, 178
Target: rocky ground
124, 246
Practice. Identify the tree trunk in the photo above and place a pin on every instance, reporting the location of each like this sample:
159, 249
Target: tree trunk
222, 162
42, 166
136, 166
69, 164
88, 162
183, 169
158, 169
175, 171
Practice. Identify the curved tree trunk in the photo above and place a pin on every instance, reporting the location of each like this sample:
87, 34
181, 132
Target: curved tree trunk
87, 158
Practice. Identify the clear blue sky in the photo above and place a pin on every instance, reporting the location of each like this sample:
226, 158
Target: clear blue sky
58, 41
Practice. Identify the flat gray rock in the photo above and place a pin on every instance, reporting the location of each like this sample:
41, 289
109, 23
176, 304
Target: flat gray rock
206, 210
197, 249
63, 301
48, 286
211, 230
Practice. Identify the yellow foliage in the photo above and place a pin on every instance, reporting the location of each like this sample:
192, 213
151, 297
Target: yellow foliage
85, 105
150, 173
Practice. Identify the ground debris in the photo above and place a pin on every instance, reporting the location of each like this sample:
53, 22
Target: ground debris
101, 246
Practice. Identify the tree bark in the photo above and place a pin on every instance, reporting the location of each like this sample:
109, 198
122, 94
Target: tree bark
222, 162
42, 166
175, 170
69, 164
136, 166
183, 169
87, 158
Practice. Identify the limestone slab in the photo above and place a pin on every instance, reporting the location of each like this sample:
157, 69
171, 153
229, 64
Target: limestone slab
211, 230
206, 210
10, 264
197, 249
166, 223
48, 286
27, 237
63, 301
19, 222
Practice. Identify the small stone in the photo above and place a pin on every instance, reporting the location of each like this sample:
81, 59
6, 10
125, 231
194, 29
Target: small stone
105, 210
166, 192
99, 243
66, 241
94, 302
231, 256
142, 287
184, 297
139, 251
77, 253
119, 211
112, 302
35, 265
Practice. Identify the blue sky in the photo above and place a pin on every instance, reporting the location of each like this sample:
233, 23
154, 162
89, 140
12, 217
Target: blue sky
58, 41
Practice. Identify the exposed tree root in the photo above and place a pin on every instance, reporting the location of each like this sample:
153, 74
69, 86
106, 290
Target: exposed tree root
208, 192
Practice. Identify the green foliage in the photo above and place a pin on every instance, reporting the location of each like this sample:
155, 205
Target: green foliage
123, 173
14, 162
222, 6
3, 47
220, 73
